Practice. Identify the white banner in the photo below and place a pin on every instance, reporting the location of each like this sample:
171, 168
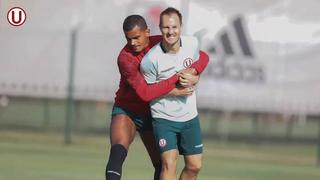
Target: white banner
264, 54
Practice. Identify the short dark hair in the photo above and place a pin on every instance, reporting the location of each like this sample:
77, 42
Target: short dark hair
169, 11
132, 21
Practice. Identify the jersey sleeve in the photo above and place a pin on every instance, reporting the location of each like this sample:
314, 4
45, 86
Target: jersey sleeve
200, 64
129, 69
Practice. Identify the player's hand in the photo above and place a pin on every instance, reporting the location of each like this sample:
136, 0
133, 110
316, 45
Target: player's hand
182, 91
187, 79
189, 71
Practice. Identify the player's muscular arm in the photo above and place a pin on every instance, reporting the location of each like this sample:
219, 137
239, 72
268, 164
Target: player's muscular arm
201, 63
129, 69
181, 91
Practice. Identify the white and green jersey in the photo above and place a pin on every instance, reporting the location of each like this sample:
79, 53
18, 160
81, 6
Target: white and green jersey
157, 65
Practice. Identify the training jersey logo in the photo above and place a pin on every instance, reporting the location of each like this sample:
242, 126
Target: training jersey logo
187, 62
162, 142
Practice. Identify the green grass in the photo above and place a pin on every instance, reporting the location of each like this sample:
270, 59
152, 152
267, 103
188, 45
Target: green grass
43, 156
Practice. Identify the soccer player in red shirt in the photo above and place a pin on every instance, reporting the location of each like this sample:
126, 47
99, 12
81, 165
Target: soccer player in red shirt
131, 111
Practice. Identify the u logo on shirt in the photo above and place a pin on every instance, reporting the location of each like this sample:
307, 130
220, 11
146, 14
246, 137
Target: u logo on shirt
187, 62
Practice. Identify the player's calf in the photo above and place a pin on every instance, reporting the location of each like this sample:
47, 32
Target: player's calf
157, 171
118, 154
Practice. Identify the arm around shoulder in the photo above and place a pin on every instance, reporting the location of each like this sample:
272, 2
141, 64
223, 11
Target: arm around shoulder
201, 63
130, 70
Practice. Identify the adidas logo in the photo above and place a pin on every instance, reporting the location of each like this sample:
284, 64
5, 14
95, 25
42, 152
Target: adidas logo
232, 55
199, 146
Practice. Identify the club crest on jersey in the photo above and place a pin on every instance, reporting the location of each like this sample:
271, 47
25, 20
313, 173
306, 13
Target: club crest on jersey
187, 62
162, 142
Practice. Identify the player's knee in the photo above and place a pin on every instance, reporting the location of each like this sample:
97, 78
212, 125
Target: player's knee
123, 142
194, 167
122, 138
169, 165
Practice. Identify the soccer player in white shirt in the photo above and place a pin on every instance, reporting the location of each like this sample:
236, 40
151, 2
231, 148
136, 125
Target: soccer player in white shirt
175, 119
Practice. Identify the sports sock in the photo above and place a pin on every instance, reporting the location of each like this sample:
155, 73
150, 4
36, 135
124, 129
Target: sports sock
157, 171
118, 154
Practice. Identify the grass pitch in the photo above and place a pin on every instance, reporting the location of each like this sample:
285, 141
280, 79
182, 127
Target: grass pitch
43, 156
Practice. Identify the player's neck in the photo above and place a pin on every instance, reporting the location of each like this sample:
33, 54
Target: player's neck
171, 48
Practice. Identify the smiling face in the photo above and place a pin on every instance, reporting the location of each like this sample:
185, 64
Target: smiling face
170, 28
138, 38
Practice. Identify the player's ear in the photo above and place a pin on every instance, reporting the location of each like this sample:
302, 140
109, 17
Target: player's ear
147, 32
